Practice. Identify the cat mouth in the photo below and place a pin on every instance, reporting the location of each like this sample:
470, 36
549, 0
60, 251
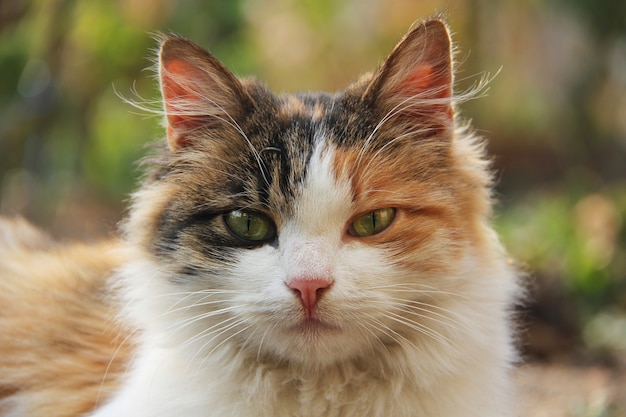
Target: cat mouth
314, 325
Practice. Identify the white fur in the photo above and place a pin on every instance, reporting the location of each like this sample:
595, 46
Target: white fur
255, 358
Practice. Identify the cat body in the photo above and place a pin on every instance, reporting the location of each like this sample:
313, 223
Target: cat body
306, 255
58, 329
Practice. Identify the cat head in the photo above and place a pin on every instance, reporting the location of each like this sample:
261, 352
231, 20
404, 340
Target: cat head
309, 228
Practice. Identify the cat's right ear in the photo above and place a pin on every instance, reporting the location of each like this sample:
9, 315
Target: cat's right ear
199, 92
415, 81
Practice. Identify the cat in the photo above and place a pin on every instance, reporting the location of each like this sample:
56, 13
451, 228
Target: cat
309, 255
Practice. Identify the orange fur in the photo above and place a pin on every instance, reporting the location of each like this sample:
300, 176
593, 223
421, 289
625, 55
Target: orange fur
60, 348
431, 204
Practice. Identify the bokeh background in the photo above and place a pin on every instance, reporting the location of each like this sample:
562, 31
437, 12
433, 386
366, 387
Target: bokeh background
554, 114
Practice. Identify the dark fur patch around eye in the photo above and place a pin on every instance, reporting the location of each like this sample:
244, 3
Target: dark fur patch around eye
205, 228
195, 246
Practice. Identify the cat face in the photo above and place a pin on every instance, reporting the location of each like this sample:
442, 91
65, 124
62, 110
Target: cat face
311, 228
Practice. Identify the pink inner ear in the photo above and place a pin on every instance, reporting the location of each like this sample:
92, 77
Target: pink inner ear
178, 96
181, 70
174, 92
423, 79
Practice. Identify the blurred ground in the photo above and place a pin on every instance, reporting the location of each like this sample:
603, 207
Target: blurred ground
562, 390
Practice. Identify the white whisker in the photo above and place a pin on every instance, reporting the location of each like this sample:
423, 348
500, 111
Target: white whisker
421, 328
110, 363
442, 319
214, 330
216, 335
265, 333
397, 337
370, 324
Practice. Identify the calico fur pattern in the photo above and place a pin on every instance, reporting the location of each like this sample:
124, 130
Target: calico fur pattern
182, 317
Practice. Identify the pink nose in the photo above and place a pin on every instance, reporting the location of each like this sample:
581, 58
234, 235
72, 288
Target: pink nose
309, 291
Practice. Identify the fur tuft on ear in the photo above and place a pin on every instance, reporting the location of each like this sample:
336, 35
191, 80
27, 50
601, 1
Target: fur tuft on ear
198, 91
415, 81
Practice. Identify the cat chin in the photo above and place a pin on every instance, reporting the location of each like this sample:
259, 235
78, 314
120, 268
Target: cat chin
313, 345
316, 356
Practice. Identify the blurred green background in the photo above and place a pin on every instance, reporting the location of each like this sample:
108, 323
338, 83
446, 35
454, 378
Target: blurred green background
555, 116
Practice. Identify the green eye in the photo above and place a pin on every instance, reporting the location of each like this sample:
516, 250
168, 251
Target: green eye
372, 223
250, 226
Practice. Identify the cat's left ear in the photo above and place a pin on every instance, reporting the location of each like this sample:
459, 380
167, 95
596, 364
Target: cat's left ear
199, 93
415, 81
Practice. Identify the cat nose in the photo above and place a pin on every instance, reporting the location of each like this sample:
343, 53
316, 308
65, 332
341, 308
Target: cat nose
309, 291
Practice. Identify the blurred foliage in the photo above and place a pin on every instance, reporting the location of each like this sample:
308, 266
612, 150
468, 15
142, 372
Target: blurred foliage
555, 114
569, 238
